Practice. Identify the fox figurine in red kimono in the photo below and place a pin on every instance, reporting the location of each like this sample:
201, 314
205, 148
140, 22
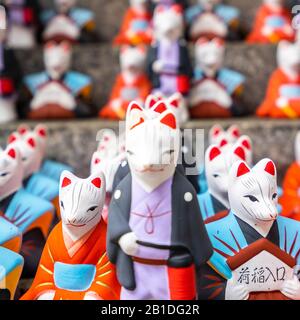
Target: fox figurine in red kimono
273, 22
74, 265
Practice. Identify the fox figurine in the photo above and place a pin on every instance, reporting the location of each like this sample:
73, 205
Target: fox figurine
156, 236
136, 27
74, 264
282, 98
273, 23
217, 134
131, 84
256, 252
215, 90
58, 92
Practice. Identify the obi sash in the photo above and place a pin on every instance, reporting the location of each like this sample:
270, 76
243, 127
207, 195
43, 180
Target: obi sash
74, 277
290, 91
275, 21
139, 25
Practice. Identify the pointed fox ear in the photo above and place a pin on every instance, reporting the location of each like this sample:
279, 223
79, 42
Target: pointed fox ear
175, 99
159, 107
215, 131
151, 101
11, 152
223, 143
98, 180
240, 152
41, 130
12, 138
242, 169
213, 152
66, 179
266, 165
135, 115
270, 168
234, 131
23, 128
245, 141
168, 119
31, 142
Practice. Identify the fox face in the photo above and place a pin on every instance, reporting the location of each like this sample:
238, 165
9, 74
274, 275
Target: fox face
253, 192
168, 23
133, 59
30, 151
11, 171
288, 57
217, 166
221, 137
81, 202
209, 55
57, 58
152, 144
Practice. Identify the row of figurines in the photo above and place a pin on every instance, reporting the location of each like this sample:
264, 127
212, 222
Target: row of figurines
141, 226
27, 21
211, 91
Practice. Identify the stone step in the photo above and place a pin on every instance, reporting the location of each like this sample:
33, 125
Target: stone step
74, 142
101, 62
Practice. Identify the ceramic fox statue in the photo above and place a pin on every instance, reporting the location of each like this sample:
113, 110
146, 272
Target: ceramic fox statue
57, 92
256, 252
10, 81
74, 264
272, 23
23, 23
282, 98
136, 27
131, 84
11, 265
169, 66
217, 134
217, 167
31, 215
212, 18
216, 90
69, 22
107, 159
155, 260
290, 200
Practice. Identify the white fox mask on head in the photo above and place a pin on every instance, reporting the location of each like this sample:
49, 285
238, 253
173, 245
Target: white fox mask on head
217, 134
11, 171
31, 154
288, 58
152, 144
64, 6
107, 158
133, 59
217, 166
176, 103
253, 192
209, 55
81, 202
57, 58
168, 23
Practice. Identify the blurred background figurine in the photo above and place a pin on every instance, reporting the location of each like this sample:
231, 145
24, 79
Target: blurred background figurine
23, 23
136, 28
169, 67
58, 92
282, 99
272, 23
216, 90
154, 3
69, 22
212, 18
131, 84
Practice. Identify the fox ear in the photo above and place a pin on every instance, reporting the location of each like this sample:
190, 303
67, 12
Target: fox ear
169, 119
66, 179
245, 141
213, 152
151, 100
31, 142
215, 131
159, 107
175, 99
270, 168
240, 152
41, 130
242, 169
223, 143
98, 180
12, 153
135, 115
12, 138
23, 128
234, 131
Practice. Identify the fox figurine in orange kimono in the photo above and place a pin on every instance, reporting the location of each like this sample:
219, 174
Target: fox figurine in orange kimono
74, 265
282, 99
273, 23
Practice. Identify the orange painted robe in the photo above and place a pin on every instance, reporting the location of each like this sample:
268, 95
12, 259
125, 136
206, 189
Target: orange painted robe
269, 108
290, 200
92, 252
265, 12
139, 26
141, 85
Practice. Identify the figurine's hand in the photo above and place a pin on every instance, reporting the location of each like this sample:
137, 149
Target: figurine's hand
47, 295
291, 288
235, 291
282, 102
157, 66
128, 243
267, 31
91, 295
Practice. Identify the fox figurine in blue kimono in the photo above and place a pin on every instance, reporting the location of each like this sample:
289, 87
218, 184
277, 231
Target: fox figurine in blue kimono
69, 22
31, 215
57, 92
256, 251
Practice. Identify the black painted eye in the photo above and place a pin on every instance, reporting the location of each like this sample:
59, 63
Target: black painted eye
24, 159
93, 208
62, 205
130, 152
216, 175
274, 196
4, 174
252, 198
